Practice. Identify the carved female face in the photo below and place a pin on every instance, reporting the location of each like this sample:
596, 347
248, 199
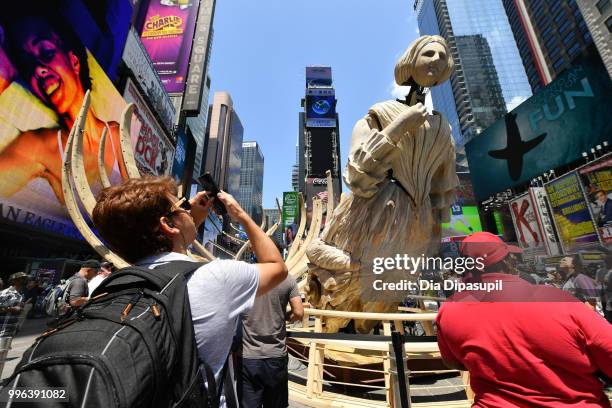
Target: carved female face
430, 64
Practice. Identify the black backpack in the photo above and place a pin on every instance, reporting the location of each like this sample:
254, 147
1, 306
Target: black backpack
131, 345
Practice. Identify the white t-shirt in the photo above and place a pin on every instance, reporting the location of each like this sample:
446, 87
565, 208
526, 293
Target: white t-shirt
219, 292
95, 282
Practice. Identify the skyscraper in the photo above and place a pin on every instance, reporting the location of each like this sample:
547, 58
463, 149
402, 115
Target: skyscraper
251, 180
319, 136
224, 147
549, 35
462, 100
598, 17
481, 81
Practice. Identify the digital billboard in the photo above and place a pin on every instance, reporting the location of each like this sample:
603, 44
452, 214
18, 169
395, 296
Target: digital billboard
549, 130
571, 213
45, 71
597, 181
290, 215
464, 217
167, 34
153, 151
320, 108
136, 58
318, 76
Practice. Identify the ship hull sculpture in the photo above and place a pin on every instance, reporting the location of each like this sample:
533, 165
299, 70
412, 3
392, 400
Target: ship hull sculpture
401, 173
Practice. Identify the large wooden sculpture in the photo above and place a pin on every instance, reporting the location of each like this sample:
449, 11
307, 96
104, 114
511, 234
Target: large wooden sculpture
401, 173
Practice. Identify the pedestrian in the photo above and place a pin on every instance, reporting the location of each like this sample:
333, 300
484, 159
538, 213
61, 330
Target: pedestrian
577, 282
525, 345
12, 303
264, 376
105, 270
77, 291
145, 222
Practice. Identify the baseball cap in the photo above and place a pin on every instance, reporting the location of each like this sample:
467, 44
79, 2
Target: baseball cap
18, 275
91, 263
487, 246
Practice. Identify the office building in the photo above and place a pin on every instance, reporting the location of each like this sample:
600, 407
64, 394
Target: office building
550, 35
251, 180
487, 19
224, 145
272, 216
319, 136
481, 81
598, 17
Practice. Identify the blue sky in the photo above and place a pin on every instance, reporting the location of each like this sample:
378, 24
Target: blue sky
261, 49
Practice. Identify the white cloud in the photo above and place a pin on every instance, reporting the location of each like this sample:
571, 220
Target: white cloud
398, 92
515, 101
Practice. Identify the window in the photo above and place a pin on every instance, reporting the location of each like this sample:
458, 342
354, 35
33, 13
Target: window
554, 53
608, 24
569, 37
559, 63
560, 16
549, 44
603, 6
564, 26
575, 49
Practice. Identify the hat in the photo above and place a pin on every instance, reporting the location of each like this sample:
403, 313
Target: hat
490, 248
91, 264
18, 275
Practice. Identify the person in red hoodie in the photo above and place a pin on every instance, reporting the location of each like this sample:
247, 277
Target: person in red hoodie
524, 345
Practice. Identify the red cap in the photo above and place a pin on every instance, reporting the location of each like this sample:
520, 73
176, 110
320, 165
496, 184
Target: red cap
487, 246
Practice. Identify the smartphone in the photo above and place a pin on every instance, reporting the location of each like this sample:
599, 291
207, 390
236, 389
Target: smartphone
209, 185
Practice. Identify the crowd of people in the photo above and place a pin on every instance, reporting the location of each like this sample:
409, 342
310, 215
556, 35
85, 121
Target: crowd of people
533, 344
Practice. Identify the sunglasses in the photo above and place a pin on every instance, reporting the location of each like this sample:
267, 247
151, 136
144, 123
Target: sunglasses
181, 204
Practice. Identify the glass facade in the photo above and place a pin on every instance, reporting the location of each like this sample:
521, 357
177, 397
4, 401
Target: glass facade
251, 180
441, 95
488, 18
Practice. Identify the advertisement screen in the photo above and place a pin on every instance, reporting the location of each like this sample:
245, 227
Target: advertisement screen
547, 131
291, 211
526, 225
180, 155
320, 108
322, 151
153, 151
571, 213
464, 218
597, 182
41, 92
318, 76
167, 35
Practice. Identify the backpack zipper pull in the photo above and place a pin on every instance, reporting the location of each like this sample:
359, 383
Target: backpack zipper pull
130, 305
155, 311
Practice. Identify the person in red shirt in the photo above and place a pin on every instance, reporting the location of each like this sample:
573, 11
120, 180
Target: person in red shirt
524, 345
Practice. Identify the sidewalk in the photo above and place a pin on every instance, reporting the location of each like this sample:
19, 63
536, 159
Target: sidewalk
31, 329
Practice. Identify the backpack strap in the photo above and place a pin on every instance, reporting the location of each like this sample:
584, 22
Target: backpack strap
159, 276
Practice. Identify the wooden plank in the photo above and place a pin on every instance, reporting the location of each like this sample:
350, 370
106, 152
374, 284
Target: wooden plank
407, 317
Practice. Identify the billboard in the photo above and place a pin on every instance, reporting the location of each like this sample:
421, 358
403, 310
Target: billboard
571, 213
547, 131
597, 181
42, 87
464, 217
153, 151
137, 60
545, 220
167, 34
320, 108
291, 213
180, 155
318, 76
527, 226
196, 76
